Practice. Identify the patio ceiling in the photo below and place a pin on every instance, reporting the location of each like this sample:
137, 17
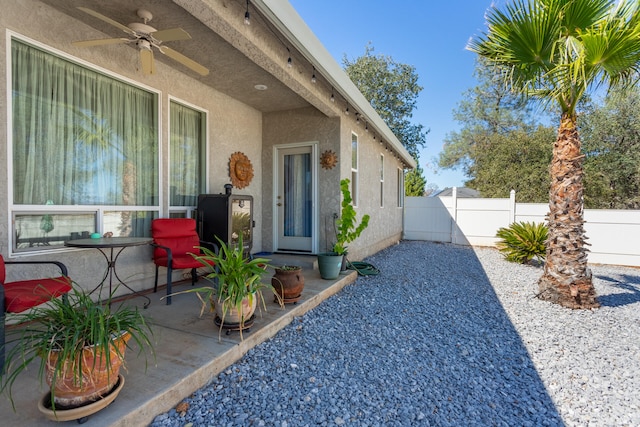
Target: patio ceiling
231, 71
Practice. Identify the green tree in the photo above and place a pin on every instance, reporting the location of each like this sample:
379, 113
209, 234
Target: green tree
392, 89
555, 51
500, 146
611, 143
414, 182
517, 160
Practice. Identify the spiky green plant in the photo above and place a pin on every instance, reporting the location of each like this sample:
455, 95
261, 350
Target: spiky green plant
235, 276
66, 326
523, 241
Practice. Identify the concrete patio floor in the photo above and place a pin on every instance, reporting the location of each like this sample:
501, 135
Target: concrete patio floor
188, 353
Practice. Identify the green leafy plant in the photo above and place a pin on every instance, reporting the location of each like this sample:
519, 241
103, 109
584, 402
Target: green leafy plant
347, 228
288, 267
241, 225
235, 276
65, 327
523, 241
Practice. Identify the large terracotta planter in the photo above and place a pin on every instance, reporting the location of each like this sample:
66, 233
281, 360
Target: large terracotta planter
288, 283
97, 378
229, 315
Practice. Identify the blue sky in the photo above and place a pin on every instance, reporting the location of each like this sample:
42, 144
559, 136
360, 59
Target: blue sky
430, 35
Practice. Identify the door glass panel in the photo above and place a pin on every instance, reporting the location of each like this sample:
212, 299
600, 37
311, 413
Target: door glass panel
297, 195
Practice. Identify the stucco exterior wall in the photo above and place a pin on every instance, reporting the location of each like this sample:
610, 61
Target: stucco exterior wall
299, 126
232, 126
385, 225
308, 125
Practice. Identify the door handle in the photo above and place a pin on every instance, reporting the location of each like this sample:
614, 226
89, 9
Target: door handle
278, 204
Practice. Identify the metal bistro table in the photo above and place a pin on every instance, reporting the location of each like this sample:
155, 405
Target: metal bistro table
111, 243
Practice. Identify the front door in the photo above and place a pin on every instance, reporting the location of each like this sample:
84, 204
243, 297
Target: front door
295, 202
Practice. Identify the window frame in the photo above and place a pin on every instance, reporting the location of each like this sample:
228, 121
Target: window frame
400, 188
355, 193
97, 210
175, 211
381, 166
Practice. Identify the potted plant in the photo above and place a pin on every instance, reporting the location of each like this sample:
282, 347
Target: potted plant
237, 285
347, 230
80, 345
288, 283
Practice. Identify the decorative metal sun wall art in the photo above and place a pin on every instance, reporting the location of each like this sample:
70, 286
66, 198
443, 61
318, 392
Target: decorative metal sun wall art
240, 170
328, 159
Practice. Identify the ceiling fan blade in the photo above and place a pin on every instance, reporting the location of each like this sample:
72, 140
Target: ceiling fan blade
170, 35
99, 42
107, 20
146, 60
184, 60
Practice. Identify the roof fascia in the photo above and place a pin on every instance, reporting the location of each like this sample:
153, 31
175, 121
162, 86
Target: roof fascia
284, 17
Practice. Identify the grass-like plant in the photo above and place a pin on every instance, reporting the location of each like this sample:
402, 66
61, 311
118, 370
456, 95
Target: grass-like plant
235, 276
66, 326
523, 241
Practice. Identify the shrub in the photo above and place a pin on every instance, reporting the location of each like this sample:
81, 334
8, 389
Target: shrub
523, 241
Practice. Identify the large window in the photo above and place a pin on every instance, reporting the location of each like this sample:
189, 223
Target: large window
84, 152
187, 130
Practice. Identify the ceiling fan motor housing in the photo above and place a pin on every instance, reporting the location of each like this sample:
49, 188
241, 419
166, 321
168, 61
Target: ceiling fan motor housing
141, 28
143, 44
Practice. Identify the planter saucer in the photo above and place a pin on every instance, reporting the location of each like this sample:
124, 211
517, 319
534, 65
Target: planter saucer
293, 300
234, 326
82, 412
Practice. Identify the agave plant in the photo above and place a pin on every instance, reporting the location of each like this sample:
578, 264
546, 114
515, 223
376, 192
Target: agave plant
523, 241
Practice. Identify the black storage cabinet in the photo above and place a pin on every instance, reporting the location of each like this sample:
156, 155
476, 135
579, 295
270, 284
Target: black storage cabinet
226, 216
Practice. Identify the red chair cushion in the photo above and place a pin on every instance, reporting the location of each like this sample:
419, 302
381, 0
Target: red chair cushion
3, 273
25, 294
181, 261
178, 234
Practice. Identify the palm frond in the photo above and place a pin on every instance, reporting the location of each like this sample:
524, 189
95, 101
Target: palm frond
559, 49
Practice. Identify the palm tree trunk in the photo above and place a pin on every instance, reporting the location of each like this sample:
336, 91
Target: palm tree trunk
567, 279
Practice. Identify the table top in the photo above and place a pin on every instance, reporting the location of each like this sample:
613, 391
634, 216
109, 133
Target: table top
109, 242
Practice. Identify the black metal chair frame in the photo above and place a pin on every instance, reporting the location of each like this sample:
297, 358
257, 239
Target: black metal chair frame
194, 273
63, 271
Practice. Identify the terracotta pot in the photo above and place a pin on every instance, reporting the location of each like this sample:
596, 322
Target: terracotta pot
231, 316
288, 283
96, 380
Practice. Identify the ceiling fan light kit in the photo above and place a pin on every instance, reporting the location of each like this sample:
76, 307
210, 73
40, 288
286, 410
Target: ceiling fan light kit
145, 37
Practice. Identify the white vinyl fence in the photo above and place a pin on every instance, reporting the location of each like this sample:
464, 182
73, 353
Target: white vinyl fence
613, 234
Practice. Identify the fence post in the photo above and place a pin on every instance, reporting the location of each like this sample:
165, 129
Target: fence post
512, 207
454, 208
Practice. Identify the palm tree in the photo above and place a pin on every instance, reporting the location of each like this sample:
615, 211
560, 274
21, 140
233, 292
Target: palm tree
556, 51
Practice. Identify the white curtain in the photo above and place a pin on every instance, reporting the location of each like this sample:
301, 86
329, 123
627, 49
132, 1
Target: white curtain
80, 137
187, 157
297, 195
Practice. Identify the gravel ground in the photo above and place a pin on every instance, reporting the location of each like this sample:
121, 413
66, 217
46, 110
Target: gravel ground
444, 336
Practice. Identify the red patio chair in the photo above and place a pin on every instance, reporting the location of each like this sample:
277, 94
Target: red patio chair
22, 295
175, 241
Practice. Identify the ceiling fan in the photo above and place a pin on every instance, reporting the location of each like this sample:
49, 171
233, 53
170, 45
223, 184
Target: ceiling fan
145, 37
